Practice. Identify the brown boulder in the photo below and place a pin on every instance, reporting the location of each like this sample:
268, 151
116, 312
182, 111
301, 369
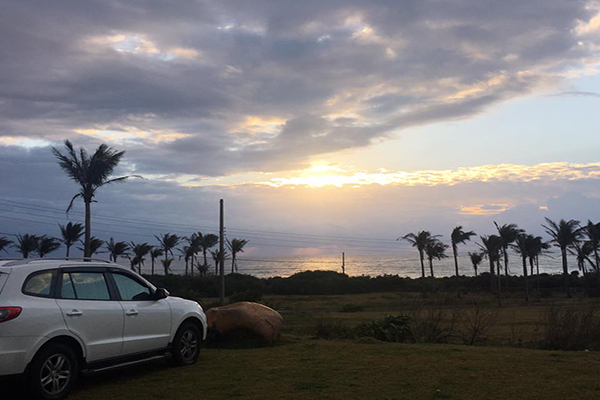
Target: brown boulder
259, 319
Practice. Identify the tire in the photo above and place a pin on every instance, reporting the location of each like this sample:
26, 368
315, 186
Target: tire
186, 345
53, 372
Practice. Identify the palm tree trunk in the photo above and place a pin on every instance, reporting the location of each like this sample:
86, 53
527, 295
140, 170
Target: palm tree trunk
88, 228
232, 262
455, 259
431, 267
68, 250
537, 272
187, 261
499, 275
475, 268
152, 265
565, 271
525, 276
422, 264
505, 264
492, 282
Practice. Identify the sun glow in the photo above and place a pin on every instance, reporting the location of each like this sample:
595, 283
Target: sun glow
322, 174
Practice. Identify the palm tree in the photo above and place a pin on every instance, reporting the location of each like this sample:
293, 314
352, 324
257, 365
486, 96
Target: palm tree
508, 233
26, 244
564, 234
204, 243
420, 241
476, 259
70, 233
46, 245
521, 245
116, 249
95, 245
154, 254
187, 252
167, 243
583, 252
235, 246
457, 237
216, 255
435, 250
4, 244
90, 173
592, 232
536, 247
166, 263
139, 250
491, 246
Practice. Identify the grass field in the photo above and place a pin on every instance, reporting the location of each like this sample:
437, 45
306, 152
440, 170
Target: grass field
301, 367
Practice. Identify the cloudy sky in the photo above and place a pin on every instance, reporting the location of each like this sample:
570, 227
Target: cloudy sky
321, 119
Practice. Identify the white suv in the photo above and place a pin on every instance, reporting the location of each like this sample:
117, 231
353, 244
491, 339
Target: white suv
62, 317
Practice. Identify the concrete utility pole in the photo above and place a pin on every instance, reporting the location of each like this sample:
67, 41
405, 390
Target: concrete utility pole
343, 263
222, 254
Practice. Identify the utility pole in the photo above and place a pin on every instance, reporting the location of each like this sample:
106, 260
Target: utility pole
222, 254
343, 263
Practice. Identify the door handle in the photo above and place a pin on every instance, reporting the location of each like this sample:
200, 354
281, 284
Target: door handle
74, 313
132, 312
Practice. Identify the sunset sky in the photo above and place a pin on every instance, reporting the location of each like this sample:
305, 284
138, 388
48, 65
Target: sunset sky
360, 119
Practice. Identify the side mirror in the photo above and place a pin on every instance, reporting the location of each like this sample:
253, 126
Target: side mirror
161, 294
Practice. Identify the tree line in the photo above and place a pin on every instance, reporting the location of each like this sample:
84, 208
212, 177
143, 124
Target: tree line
136, 253
581, 241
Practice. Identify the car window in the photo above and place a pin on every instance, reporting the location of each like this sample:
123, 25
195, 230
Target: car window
39, 284
67, 291
130, 289
87, 286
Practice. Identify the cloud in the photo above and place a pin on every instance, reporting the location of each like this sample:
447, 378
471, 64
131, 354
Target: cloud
323, 175
335, 75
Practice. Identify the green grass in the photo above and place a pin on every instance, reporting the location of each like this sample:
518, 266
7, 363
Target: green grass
300, 367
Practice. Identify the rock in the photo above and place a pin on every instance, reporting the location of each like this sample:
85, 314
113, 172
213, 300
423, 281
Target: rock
261, 320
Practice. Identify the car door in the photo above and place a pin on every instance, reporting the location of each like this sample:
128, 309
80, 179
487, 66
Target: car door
91, 311
147, 321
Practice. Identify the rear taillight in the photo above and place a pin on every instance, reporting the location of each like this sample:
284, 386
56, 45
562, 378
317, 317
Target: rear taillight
8, 313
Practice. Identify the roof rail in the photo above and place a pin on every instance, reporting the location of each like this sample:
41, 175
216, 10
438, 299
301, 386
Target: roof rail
22, 261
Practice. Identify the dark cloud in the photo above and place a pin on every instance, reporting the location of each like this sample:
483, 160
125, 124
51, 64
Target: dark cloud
200, 68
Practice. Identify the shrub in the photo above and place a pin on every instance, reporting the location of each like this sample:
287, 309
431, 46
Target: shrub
351, 308
570, 329
332, 330
389, 329
247, 295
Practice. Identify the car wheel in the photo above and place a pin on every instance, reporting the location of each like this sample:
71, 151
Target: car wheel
186, 345
53, 372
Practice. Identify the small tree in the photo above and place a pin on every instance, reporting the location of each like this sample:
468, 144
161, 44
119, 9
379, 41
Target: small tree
435, 250
5, 244
476, 259
235, 246
117, 249
71, 233
457, 237
46, 245
26, 244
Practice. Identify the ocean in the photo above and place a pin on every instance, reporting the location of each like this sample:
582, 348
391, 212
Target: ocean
405, 263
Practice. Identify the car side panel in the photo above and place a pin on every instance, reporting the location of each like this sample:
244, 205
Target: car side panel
147, 325
183, 309
100, 326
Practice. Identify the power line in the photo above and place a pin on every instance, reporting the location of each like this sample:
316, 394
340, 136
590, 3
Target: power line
146, 222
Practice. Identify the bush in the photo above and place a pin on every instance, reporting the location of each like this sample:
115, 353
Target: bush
351, 308
570, 329
332, 330
389, 329
248, 295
